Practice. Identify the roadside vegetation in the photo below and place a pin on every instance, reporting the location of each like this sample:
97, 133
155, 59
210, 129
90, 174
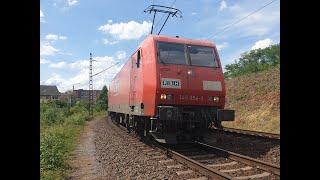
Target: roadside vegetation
253, 90
60, 127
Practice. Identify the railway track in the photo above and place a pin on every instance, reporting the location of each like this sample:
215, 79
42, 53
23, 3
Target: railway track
221, 164
247, 133
208, 161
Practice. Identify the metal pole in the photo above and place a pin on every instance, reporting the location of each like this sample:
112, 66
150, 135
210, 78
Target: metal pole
72, 96
90, 86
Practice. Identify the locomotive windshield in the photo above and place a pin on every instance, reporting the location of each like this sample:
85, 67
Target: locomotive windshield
173, 53
202, 56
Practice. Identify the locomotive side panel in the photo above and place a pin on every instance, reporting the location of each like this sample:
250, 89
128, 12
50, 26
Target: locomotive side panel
118, 97
132, 91
149, 77
136, 83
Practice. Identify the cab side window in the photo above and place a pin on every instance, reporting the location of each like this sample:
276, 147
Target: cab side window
138, 58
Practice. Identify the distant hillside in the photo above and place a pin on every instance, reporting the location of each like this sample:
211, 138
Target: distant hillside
256, 99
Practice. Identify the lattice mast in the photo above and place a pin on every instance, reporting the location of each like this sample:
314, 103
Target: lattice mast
90, 86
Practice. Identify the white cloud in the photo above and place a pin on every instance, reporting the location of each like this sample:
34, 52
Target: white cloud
110, 21
258, 24
223, 5
72, 2
193, 13
57, 80
41, 16
121, 55
44, 61
108, 42
59, 65
55, 37
46, 49
262, 44
126, 31
82, 76
221, 46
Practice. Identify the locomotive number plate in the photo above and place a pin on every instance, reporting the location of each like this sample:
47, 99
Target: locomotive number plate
170, 83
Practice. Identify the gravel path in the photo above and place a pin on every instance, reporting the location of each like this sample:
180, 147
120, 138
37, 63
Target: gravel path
106, 152
82, 160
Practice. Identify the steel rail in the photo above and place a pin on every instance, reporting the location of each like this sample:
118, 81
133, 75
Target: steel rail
248, 132
244, 159
203, 169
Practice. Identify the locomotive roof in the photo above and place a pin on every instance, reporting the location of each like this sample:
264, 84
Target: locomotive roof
182, 40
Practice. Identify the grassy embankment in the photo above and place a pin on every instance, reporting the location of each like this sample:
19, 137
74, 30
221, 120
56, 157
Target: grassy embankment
60, 126
256, 99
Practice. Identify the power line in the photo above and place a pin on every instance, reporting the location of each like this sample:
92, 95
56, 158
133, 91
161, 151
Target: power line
105, 69
236, 22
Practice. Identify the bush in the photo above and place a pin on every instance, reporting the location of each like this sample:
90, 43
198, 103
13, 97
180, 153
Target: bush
52, 148
52, 115
77, 119
59, 127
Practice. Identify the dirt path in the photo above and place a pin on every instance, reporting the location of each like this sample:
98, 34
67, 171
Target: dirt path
82, 160
104, 152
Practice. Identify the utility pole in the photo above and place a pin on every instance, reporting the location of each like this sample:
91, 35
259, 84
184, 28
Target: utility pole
73, 98
90, 87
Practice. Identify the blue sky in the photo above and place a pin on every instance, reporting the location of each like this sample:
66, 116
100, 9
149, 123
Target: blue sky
111, 30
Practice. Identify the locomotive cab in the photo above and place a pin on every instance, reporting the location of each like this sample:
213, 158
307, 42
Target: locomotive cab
191, 91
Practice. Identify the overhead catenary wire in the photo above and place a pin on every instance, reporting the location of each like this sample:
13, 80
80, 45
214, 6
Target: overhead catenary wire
83, 83
236, 22
105, 69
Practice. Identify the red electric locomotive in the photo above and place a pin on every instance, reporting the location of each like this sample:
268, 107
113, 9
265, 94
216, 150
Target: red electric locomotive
171, 88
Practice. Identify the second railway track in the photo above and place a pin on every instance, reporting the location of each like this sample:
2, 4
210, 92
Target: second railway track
248, 133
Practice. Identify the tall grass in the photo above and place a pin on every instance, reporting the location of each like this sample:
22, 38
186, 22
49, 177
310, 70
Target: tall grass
60, 126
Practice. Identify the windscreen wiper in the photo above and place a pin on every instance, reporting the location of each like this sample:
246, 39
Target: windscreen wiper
160, 58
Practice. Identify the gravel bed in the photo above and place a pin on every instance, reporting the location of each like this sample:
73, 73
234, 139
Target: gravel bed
119, 159
268, 151
246, 173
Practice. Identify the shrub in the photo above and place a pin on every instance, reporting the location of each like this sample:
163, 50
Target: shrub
51, 115
59, 127
77, 119
52, 148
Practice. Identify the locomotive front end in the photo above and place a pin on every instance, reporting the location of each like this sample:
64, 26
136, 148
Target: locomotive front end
191, 94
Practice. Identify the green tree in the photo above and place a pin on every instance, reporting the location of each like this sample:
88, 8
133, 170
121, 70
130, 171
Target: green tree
254, 61
102, 101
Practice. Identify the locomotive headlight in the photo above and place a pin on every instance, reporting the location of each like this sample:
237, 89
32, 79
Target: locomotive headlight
163, 96
216, 99
166, 96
